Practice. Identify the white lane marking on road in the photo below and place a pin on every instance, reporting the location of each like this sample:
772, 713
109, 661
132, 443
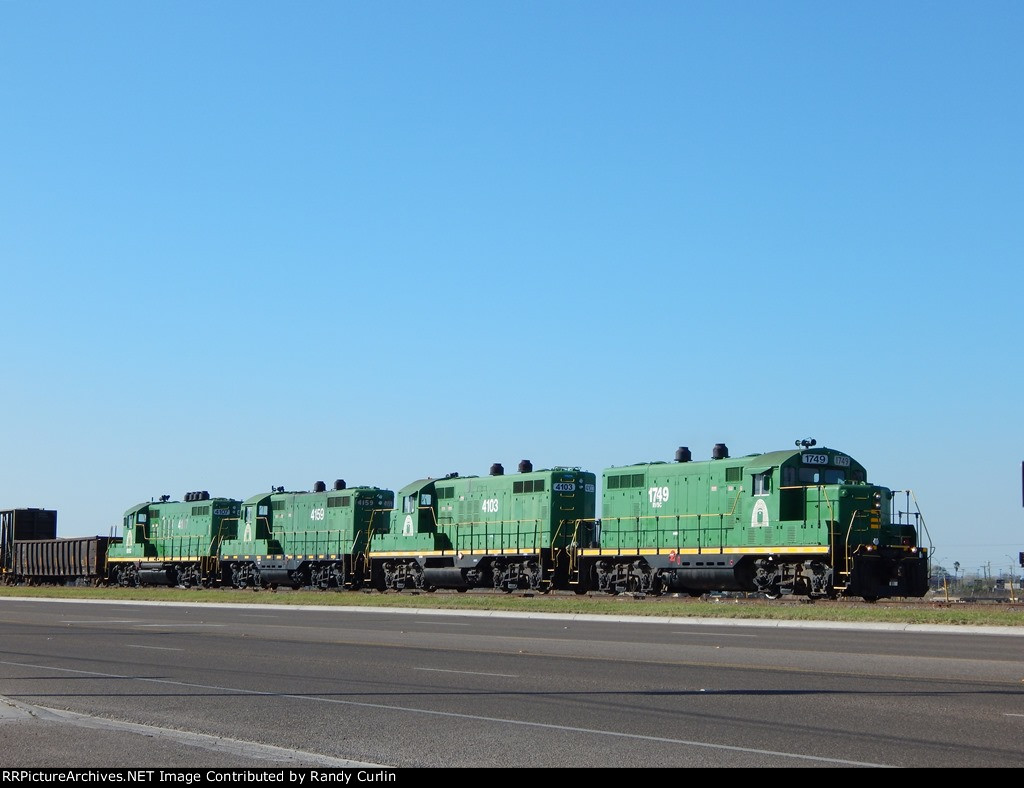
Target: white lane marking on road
468, 672
264, 752
184, 624
455, 715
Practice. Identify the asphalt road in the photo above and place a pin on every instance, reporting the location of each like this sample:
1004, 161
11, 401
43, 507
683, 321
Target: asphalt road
137, 685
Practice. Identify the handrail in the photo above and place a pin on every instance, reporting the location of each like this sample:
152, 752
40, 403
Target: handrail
920, 520
503, 529
678, 525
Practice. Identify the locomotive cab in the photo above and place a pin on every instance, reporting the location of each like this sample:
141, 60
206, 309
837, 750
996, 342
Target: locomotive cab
870, 553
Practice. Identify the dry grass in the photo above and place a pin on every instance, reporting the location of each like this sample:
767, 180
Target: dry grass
925, 611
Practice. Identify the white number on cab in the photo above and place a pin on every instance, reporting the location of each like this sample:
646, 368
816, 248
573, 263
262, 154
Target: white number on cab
658, 496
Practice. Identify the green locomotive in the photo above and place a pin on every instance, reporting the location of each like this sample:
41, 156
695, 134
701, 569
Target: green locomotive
803, 521
508, 532
173, 543
313, 539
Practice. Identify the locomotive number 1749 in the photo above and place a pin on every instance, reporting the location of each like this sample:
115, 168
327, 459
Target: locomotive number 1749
657, 496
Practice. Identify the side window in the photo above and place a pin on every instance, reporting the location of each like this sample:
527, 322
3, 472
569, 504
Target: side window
425, 499
763, 483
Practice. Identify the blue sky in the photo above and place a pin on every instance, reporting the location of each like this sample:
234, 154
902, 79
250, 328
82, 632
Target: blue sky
252, 244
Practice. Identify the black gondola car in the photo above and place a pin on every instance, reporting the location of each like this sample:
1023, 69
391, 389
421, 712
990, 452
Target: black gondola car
20, 524
70, 561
